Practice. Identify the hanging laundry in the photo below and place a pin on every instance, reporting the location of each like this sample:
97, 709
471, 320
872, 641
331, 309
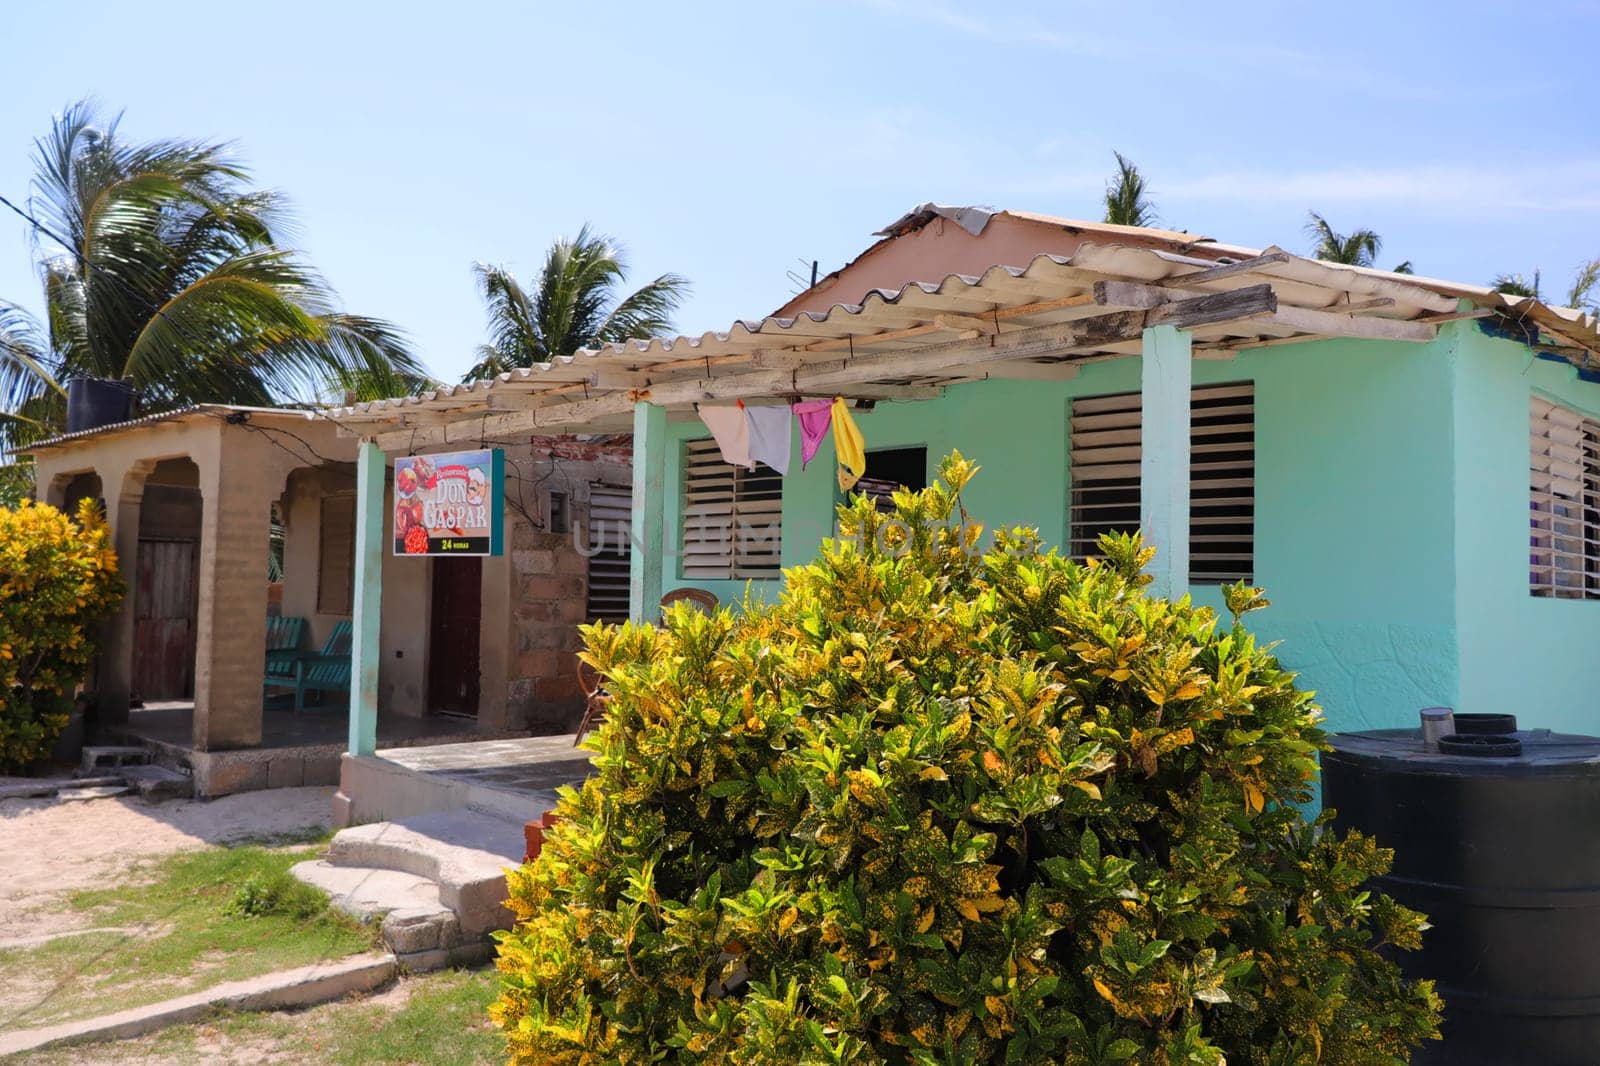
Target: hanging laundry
770, 436
728, 425
848, 445
815, 416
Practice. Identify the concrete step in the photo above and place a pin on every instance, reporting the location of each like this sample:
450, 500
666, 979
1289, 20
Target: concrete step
464, 853
92, 792
49, 786
421, 931
109, 756
156, 783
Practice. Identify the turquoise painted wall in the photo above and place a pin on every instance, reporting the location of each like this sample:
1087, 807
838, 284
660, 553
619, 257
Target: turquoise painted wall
1538, 658
1353, 502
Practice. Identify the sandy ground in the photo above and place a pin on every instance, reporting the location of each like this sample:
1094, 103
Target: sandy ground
51, 847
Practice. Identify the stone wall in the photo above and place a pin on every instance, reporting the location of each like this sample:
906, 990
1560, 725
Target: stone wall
549, 576
549, 597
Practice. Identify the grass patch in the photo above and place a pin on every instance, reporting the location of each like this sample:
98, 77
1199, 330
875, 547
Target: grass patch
439, 1018
205, 917
444, 1022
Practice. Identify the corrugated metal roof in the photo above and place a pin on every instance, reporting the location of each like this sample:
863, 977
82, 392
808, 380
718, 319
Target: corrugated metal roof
593, 388
177, 414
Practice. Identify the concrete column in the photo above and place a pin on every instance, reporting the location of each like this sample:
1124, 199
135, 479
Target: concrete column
230, 651
367, 609
649, 511
114, 668
1164, 457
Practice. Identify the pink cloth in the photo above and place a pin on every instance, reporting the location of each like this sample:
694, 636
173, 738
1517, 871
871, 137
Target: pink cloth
815, 417
732, 432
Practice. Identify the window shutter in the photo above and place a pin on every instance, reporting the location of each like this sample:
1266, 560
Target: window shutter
1105, 477
1564, 502
1222, 484
611, 528
336, 555
1104, 469
732, 518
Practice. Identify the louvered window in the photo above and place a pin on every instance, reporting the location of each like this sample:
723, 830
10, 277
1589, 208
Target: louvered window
1105, 456
609, 532
890, 470
732, 518
1564, 502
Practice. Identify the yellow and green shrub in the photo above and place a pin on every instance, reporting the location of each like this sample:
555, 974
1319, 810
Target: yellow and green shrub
58, 586
941, 805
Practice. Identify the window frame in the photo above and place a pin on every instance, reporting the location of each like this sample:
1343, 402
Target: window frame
1105, 434
1566, 542
751, 496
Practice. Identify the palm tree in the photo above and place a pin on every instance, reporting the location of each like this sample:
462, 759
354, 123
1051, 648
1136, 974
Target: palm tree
161, 266
1128, 198
1581, 294
577, 304
1357, 248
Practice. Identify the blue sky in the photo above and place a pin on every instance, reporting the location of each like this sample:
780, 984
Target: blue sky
731, 142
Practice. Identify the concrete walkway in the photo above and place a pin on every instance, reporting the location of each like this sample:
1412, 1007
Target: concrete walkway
301, 987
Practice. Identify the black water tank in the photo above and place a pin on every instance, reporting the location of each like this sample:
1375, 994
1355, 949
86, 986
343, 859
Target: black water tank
1503, 855
95, 402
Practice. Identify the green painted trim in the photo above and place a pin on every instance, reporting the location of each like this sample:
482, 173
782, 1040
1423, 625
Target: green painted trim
366, 611
650, 446
497, 512
1166, 384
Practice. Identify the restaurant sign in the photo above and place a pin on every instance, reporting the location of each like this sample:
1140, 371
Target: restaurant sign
450, 504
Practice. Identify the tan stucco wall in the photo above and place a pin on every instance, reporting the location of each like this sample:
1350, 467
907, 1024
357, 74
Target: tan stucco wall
532, 599
239, 470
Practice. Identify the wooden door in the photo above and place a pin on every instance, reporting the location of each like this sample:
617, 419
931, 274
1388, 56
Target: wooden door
165, 595
453, 634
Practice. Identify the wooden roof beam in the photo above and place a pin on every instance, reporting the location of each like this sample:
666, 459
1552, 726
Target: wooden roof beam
826, 376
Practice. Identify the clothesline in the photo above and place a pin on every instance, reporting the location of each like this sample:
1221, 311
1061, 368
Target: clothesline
748, 434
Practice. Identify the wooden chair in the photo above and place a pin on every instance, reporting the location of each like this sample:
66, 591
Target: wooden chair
308, 672
705, 601
284, 633
595, 700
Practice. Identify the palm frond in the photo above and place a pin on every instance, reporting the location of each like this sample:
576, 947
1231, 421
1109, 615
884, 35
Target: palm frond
575, 304
1581, 294
27, 381
1517, 285
161, 263
1127, 198
1358, 248
645, 312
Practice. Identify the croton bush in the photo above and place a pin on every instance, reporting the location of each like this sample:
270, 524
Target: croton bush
948, 805
58, 587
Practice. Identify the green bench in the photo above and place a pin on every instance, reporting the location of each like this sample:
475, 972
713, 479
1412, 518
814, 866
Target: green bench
283, 639
306, 672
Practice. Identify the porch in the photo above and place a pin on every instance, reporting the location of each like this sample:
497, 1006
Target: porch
295, 749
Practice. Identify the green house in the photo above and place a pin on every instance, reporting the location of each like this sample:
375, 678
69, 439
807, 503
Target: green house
1409, 467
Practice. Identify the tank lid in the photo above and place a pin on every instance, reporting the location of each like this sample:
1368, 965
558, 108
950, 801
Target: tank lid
1541, 749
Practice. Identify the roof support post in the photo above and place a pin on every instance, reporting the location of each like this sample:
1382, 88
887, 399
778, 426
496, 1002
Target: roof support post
645, 560
1167, 379
366, 608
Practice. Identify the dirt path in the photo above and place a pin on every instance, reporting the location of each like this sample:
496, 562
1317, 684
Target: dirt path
52, 847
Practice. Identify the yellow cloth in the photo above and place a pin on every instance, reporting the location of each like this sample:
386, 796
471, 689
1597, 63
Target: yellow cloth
848, 445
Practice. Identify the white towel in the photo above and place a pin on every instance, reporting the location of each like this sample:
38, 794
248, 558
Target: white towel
771, 434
